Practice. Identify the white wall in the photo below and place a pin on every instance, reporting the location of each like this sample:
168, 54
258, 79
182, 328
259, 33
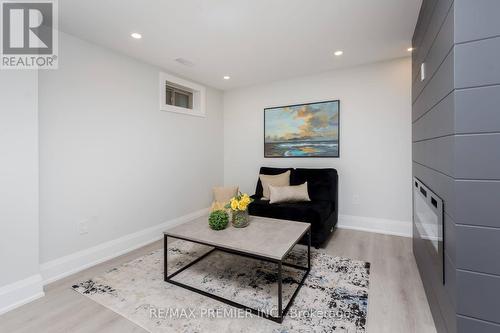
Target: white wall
375, 139
19, 271
109, 156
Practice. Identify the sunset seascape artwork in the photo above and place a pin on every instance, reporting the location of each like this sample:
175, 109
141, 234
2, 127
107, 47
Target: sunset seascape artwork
304, 130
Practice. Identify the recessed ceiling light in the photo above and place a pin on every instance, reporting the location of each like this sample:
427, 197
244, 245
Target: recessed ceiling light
410, 49
226, 77
338, 53
136, 35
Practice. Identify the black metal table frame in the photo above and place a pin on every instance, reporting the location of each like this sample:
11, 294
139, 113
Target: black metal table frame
281, 312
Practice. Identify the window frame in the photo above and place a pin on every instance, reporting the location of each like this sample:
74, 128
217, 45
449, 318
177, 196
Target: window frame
198, 99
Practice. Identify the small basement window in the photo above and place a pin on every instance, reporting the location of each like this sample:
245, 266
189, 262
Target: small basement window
181, 96
178, 97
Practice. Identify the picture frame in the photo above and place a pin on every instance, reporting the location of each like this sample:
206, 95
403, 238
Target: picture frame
305, 130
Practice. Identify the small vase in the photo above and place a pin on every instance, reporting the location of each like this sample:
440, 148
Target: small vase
240, 218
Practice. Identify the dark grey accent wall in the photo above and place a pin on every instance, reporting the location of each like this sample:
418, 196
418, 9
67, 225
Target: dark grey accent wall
433, 133
456, 152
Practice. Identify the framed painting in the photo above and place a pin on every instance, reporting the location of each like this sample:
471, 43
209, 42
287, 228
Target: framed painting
302, 130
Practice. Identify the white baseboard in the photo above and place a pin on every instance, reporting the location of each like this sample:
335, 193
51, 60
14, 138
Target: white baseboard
62, 267
377, 225
20, 292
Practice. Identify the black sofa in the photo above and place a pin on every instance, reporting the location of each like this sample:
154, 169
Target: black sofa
321, 211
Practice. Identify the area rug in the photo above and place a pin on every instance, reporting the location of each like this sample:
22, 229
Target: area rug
334, 297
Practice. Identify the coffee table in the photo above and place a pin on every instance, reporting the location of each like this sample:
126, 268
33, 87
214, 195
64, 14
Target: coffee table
264, 239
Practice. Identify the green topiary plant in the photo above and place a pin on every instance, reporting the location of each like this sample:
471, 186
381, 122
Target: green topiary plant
218, 219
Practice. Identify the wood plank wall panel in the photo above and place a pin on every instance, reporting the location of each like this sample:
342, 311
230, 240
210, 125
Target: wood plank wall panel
425, 15
477, 84
479, 250
477, 203
456, 140
476, 63
433, 145
468, 325
481, 301
439, 86
438, 123
437, 45
476, 110
427, 19
477, 19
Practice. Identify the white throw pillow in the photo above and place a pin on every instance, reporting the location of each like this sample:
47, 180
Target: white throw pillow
288, 193
282, 179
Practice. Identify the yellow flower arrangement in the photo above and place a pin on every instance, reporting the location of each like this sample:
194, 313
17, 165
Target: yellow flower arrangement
239, 202
234, 204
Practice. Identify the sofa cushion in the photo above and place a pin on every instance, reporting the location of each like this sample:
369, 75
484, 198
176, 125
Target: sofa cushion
321, 183
296, 193
268, 171
282, 179
311, 212
222, 195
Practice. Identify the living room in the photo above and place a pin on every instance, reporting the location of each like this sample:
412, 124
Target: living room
265, 166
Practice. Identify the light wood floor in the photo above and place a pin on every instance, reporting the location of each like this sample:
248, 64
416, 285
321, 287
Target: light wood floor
397, 301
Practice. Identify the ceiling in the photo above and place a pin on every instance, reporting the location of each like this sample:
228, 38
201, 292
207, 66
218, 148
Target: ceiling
253, 41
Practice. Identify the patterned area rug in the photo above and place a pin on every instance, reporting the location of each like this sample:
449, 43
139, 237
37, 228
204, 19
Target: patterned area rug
334, 297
